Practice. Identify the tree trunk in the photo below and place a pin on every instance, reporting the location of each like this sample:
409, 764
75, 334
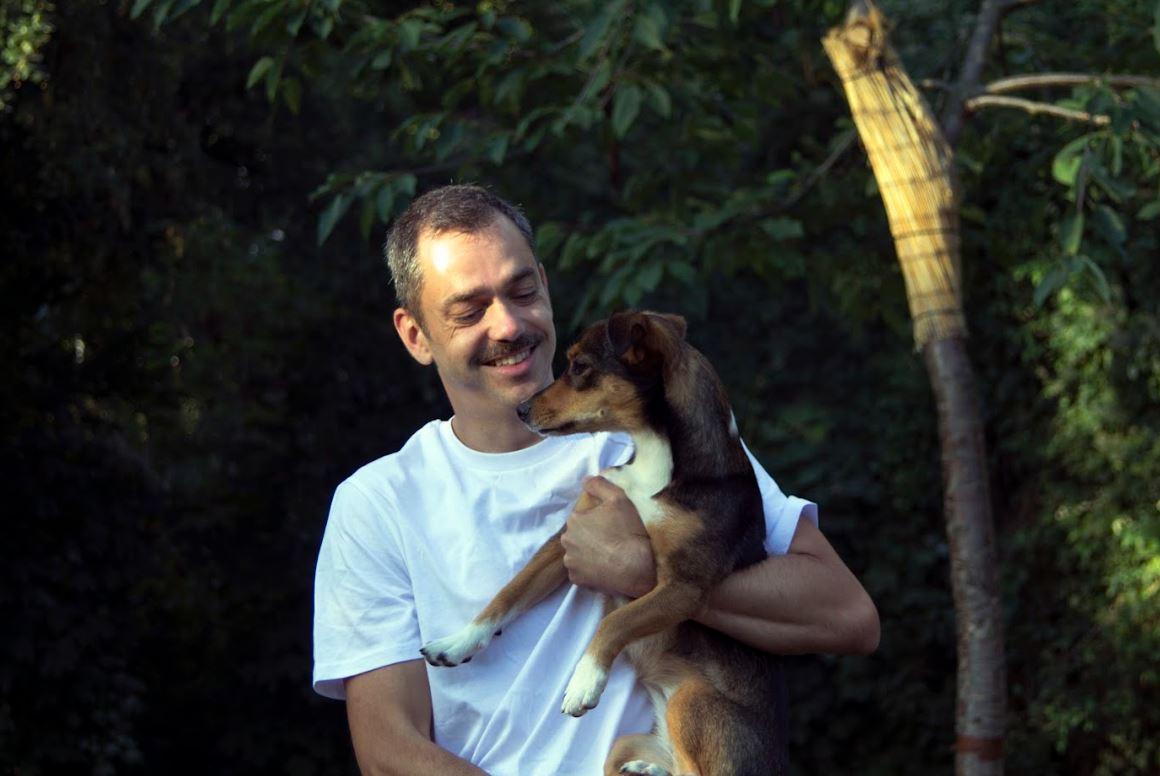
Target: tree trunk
914, 167
980, 713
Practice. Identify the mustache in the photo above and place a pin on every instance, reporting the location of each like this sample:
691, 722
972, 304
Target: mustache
505, 349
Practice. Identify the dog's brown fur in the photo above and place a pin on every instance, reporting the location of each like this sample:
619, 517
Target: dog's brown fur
720, 704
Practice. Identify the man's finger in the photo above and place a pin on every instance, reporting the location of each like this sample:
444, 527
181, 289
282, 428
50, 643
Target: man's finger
601, 489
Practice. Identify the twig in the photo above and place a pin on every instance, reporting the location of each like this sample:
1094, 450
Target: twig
840, 148
1017, 82
1030, 106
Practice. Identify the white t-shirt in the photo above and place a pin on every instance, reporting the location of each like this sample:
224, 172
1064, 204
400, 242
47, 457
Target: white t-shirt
416, 545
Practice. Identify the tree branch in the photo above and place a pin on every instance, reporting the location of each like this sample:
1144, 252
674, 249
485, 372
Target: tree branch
1017, 82
970, 76
840, 148
1030, 106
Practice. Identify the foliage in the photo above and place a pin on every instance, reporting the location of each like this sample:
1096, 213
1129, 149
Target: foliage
195, 373
24, 30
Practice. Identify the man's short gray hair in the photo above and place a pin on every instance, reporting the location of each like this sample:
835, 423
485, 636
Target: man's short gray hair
458, 208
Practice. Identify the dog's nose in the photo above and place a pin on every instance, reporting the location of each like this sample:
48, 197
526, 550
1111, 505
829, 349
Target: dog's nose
524, 410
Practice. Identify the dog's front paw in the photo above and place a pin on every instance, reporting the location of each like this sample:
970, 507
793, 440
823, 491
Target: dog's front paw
458, 648
585, 687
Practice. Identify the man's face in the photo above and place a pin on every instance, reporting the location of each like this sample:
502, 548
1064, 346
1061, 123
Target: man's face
487, 318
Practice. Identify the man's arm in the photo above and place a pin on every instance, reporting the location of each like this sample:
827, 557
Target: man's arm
805, 601
389, 710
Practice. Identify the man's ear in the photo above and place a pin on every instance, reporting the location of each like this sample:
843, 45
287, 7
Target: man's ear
413, 337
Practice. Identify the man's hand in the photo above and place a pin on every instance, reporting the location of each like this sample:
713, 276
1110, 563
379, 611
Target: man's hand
606, 546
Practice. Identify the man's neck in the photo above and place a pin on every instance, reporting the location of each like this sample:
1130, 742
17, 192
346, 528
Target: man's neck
493, 435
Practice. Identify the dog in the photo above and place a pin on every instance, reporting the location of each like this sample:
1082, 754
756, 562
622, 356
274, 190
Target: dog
720, 704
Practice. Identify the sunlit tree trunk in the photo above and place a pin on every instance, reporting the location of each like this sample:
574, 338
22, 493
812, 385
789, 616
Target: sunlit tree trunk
913, 165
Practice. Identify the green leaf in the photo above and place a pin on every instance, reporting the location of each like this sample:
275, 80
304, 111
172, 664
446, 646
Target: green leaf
292, 94
594, 35
260, 68
1111, 225
497, 149
659, 98
1118, 190
406, 183
783, 228
1117, 154
382, 60
1156, 27
273, 78
647, 32
263, 21
734, 10
336, 210
650, 276
612, 287
219, 8
548, 239
1066, 165
1098, 277
625, 107
508, 90
573, 248
295, 24
410, 32
385, 202
138, 8
1052, 282
367, 219
1149, 211
682, 271
1071, 233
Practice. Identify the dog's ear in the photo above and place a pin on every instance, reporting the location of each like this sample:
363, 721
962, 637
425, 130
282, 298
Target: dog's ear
640, 337
626, 331
675, 323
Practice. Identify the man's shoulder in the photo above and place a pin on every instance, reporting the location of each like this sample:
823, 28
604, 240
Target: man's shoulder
393, 471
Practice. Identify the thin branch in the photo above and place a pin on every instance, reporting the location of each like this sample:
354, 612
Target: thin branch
1030, 106
840, 148
1017, 82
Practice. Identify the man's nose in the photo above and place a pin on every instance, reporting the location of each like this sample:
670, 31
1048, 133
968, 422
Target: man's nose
504, 323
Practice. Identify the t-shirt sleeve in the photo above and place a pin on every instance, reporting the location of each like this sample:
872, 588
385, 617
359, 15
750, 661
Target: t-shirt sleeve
364, 609
782, 512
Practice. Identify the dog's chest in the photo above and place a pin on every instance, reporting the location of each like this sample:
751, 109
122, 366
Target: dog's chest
649, 472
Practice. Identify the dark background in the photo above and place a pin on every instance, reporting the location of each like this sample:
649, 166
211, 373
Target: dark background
190, 372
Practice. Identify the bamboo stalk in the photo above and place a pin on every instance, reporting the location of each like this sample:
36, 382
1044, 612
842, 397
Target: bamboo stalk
914, 168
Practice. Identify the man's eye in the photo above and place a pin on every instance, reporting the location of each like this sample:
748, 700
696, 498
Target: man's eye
526, 296
468, 317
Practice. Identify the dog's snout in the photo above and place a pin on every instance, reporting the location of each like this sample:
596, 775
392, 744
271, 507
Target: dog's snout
524, 410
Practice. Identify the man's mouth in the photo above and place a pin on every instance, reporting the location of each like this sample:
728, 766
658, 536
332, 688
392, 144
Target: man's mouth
511, 360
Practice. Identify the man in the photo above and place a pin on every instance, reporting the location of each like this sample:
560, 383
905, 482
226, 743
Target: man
417, 542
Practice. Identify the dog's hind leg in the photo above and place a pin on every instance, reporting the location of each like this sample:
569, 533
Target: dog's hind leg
713, 736
544, 573
640, 754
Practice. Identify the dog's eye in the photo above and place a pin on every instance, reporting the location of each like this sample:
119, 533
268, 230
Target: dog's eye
579, 368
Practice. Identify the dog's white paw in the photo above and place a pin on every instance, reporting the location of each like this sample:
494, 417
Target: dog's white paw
585, 687
643, 767
459, 647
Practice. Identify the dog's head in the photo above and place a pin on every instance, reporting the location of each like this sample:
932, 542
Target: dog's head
615, 370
